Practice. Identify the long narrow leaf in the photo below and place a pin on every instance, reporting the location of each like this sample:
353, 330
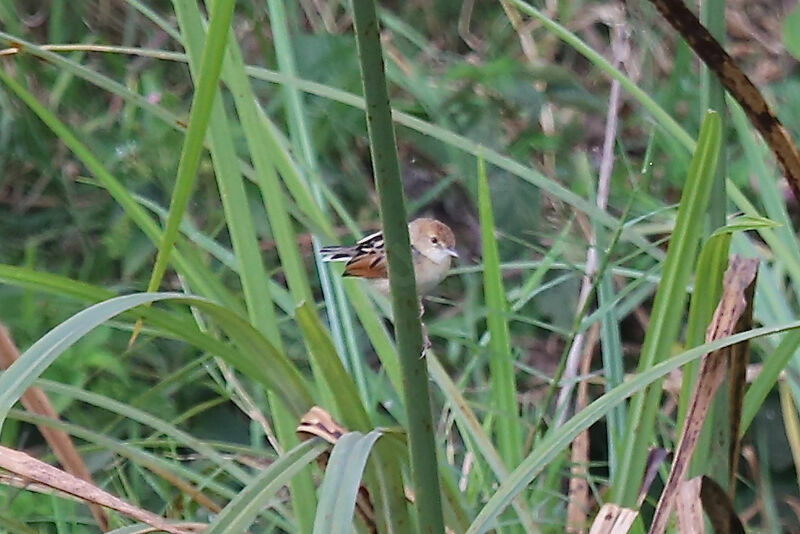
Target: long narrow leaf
239, 514
501, 360
471, 427
341, 483
189, 163
668, 309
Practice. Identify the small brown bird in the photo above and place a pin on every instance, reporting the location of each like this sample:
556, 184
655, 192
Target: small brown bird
432, 246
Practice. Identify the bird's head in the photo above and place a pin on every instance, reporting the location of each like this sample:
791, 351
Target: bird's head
433, 239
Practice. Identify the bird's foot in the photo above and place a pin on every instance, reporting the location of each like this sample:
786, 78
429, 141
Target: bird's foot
426, 341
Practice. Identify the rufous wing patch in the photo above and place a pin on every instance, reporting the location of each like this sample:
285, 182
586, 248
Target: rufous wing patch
367, 266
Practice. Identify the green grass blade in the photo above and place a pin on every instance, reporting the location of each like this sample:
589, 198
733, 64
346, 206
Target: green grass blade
231, 186
668, 309
238, 515
613, 364
169, 324
764, 383
350, 410
711, 265
279, 375
712, 96
239, 219
340, 486
52, 283
339, 315
151, 15
202, 104
501, 360
263, 158
554, 443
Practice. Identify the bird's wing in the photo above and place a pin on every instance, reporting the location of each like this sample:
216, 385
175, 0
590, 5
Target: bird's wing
367, 245
367, 266
368, 259
372, 241
365, 259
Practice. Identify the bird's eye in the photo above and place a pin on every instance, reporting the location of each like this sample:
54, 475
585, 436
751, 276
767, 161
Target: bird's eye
435, 240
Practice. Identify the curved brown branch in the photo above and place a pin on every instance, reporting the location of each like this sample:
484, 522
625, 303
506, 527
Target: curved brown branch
738, 85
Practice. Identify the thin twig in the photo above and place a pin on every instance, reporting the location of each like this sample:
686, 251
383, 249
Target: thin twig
592, 257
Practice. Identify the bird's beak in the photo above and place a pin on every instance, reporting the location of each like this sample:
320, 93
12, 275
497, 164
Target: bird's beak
452, 252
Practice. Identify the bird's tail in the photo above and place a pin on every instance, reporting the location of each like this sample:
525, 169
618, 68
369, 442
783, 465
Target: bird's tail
336, 253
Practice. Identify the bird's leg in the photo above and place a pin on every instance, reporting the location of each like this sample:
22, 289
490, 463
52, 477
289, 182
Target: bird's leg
426, 341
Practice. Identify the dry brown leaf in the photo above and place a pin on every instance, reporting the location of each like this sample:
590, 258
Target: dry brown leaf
36, 401
15, 481
688, 509
317, 422
740, 275
578, 503
613, 519
739, 358
30, 468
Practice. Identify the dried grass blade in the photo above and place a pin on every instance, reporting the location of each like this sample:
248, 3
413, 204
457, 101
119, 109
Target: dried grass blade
30, 468
739, 277
36, 401
613, 519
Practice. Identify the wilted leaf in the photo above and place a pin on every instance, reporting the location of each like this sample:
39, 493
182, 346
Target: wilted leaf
738, 278
35, 470
318, 422
688, 509
613, 519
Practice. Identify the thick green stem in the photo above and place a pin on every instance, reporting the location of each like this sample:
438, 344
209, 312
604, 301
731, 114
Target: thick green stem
408, 328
